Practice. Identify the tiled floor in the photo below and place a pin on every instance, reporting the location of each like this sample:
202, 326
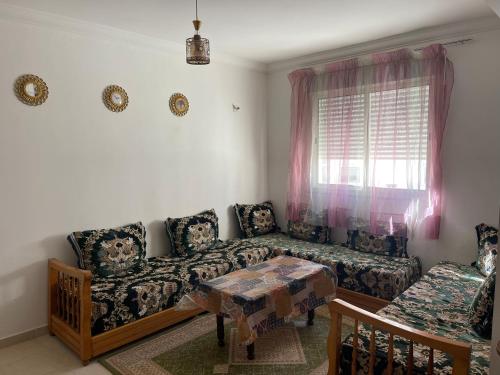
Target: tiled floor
43, 356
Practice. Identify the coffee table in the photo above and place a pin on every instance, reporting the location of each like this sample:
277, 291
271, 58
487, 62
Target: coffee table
265, 296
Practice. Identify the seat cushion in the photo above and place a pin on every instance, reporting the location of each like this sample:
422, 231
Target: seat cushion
192, 234
256, 219
481, 309
162, 282
110, 252
487, 243
379, 276
438, 304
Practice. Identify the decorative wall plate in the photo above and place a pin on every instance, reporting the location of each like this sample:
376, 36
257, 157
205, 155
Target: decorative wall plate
179, 105
115, 98
31, 89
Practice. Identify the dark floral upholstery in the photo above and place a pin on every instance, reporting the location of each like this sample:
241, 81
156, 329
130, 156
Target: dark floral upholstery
308, 232
487, 242
256, 219
191, 234
481, 309
438, 304
389, 245
110, 252
379, 276
162, 281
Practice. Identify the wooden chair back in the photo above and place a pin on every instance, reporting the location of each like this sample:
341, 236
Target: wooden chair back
459, 351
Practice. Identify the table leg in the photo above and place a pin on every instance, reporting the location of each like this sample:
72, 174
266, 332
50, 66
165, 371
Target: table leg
310, 317
220, 329
251, 351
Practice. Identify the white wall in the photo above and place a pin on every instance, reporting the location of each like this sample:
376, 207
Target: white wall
470, 152
71, 164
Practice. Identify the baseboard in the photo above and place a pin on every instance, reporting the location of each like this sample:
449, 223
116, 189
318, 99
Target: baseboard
23, 336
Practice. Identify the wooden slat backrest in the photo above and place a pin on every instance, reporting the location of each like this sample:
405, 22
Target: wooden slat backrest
459, 351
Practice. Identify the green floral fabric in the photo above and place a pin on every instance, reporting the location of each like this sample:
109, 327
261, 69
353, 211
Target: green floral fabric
308, 232
256, 219
487, 242
376, 275
110, 252
162, 281
481, 309
389, 245
191, 234
438, 304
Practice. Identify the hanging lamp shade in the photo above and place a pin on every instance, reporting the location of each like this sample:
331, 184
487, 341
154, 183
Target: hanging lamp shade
197, 48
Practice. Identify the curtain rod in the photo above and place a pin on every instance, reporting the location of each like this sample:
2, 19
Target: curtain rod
458, 42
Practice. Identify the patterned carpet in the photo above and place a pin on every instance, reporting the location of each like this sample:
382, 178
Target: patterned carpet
191, 348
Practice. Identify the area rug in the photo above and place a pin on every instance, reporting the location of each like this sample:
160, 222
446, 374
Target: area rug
191, 348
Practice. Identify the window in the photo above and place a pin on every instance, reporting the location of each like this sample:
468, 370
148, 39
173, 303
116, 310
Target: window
374, 139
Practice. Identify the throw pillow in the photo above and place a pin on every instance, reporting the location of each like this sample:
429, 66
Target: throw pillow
110, 252
256, 219
192, 234
389, 245
481, 309
487, 243
308, 232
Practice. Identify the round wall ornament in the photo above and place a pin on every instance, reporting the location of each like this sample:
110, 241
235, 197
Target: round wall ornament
115, 98
31, 89
179, 105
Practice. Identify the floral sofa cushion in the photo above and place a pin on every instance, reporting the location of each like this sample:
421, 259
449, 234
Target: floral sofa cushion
110, 252
256, 219
162, 282
191, 234
389, 245
438, 304
379, 276
308, 232
487, 242
481, 309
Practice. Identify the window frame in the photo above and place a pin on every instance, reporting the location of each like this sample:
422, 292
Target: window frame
367, 90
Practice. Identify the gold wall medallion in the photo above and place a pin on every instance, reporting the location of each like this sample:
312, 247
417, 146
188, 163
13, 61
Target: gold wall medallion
31, 89
115, 98
179, 105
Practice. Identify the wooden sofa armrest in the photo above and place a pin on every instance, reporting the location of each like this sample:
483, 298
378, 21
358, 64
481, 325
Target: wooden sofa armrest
70, 305
459, 351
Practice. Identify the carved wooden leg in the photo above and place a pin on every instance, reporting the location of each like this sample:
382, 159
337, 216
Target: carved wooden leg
251, 351
310, 317
220, 329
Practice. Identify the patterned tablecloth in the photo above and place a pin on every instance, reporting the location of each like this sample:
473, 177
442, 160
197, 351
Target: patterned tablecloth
265, 296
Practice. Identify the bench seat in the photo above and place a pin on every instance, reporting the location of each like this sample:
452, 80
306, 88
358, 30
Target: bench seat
162, 281
375, 275
438, 304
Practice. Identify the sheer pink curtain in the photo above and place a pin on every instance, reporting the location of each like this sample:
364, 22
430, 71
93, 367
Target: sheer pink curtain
378, 128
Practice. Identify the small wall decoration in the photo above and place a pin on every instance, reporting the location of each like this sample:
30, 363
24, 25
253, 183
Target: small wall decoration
115, 98
31, 89
179, 105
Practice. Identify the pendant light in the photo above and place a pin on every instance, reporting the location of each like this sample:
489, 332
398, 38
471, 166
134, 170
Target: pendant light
197, 48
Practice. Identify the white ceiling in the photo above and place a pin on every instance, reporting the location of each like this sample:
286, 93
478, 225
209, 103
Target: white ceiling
267, 30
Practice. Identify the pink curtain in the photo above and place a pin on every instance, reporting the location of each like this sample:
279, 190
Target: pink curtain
378, 131
302, 82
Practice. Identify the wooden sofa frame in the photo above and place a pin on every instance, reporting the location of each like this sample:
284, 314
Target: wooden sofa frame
459, 351
70, 313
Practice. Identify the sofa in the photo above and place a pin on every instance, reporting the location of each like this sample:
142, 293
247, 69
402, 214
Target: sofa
117, 294
445, 302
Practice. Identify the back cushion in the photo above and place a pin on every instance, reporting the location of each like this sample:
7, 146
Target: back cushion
256, 219
487, 243
481, 309
110, 252
388, 245
308, 232
192, 234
